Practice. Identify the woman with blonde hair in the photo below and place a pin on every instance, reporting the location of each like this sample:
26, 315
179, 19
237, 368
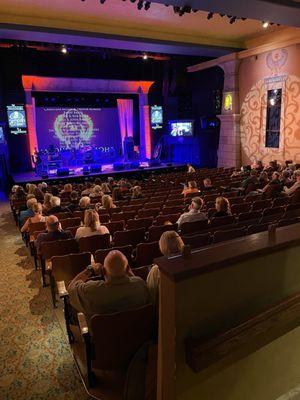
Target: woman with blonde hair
105, 188
91, 225
84, 203
47, 205
137, 192
222, 207
31, 188
107, 202
37, 217
170, 243
96, 192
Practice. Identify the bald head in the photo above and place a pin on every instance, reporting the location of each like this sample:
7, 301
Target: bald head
115, 264
52, 223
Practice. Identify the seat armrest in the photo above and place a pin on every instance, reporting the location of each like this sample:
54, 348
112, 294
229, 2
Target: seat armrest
82, 324
62, 291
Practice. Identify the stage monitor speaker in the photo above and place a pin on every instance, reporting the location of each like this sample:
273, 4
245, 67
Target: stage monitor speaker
44, 176
85, 170
135, 165
118, 166
63, 172
96, 168
154, 163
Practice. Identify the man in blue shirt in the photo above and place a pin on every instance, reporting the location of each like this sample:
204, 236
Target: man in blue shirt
27, 213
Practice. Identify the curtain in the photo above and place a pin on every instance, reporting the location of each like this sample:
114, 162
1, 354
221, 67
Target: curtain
125, 110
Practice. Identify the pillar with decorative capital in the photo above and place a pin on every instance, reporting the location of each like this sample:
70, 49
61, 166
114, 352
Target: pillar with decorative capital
145, 129
229, 154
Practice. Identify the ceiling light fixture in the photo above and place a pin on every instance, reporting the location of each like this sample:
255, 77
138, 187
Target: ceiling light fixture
64, 50
265, 24
145, 57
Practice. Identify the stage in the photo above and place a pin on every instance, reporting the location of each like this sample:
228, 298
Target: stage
76, 174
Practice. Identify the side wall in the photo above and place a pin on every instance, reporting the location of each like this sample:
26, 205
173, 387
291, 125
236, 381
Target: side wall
257, 74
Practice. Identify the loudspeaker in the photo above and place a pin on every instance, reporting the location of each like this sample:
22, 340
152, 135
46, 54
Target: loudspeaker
118, 166
85, 170
154, 163
44, 176
96, 168
63, 172
135, 165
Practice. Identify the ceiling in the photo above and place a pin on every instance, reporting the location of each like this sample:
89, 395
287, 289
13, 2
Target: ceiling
120, 24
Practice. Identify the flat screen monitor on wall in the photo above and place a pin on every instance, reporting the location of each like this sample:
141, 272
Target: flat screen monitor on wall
16, 116
156, 117
181, 128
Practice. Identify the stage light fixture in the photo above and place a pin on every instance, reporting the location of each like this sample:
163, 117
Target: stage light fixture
272, 101
210, 15
64, 50
145, 57
265, 24
140, 4
147, 5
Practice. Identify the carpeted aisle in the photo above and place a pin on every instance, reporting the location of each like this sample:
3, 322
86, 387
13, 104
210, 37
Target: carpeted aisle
35, 360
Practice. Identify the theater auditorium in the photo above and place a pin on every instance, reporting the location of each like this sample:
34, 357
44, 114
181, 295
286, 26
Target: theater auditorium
150, 200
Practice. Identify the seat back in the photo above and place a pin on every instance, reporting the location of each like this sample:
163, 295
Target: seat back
65, 268
220, 236
172, 210
93, 243
79, 214
241, 208
155, 232
139, 223
218, 221
146, 252
36, 226
247, 216
117, 337
192, 227
115, 226
196, 241
161, 219
58, 248
260, 205
126, 250
257, 228
131, 236
142, 272
65, 223
123, 216
63, 215
151, 212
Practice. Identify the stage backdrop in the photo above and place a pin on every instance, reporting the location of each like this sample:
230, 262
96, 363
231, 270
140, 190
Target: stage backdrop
76, 127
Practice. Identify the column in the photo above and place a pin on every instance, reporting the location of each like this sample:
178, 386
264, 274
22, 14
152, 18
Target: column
229, 154
145, 129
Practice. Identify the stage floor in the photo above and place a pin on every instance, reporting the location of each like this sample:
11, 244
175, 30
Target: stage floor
107, 170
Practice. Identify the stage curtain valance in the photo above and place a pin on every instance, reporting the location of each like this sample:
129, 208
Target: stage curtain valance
125, 110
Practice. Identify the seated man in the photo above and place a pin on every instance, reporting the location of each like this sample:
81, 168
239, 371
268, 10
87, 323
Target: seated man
190, 168
194, 213
250, 183
274, 187
55, 206
290, 191
54, 232
207, 185
119, 291
27, 213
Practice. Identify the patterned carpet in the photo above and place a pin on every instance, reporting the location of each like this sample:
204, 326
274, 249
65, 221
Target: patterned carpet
35, 360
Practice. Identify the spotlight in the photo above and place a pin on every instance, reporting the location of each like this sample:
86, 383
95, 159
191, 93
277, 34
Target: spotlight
145, 57
64, 50
140, 4
265, 24
232, 20
210, 15
147, 5
272, 101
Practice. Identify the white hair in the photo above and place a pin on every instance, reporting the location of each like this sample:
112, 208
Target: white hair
55, 201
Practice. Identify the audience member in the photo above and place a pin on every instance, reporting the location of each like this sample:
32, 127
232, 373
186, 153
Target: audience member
170, 243
190, 168
107, 203
27, 213
84, 203
105, 188
119, 291
37, 217
222, 207
91, 225
194, 213
117, 194
274, 187
137, 192
38, 194
192, 188
250, 183
47, 205
290, 191
67, 189
73, 205
96, 192
207, 185
263, 180
55, 206
88, 190
54, 232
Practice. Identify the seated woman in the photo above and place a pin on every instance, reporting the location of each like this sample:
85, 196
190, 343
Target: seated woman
107, 203
192, 188
170, 243
38, 194
84, 203
47, 205
91, 225
137, 192
67, 189
105, 188
96, 192
37, 217
222, 207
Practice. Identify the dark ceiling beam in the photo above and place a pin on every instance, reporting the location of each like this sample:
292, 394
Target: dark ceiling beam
44, 35
279, 12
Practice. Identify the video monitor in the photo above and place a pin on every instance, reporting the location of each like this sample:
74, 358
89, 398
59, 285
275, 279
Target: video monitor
156, 117
181, 128
16, 116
